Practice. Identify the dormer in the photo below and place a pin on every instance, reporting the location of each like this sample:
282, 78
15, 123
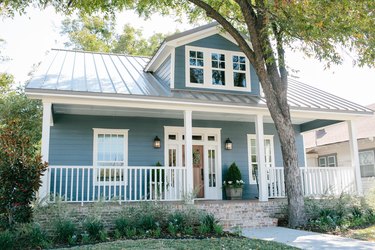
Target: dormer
204, 59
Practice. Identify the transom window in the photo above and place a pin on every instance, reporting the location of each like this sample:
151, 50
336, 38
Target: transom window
327, 161
253, 158
217, 69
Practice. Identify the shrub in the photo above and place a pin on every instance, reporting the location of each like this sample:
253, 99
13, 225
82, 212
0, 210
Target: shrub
95, 228
7, 240
337, 214
65, 231
20, 161
31, 235
233, 177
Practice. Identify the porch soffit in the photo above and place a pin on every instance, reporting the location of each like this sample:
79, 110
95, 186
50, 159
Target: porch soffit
73, 109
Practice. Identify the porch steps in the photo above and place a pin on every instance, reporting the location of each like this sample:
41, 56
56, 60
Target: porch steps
245, 213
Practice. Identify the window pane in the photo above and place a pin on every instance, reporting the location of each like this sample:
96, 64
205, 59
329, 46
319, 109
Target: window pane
200, 62
242, 59
193, 54
199, 54
331, 161
322, 162
235, 58
172, 137
218, 77
196, 75
242, 67
215, 64
239, 79
193, 62
214, 56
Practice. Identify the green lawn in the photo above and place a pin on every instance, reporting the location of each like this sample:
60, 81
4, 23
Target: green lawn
212, 243
362, 234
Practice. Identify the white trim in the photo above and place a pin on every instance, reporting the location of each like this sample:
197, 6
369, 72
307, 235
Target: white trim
207, 69
262, 171
173, 60
124, 132
46, 125
249, 153
205, 132
136, 102
353, 142
188, 127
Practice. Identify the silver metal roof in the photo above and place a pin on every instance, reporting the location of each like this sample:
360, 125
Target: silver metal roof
89, 73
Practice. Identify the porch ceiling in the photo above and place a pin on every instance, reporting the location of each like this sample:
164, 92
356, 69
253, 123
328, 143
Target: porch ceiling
73, 109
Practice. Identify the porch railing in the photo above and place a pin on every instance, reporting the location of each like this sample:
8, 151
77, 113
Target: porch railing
88, 184
316, 181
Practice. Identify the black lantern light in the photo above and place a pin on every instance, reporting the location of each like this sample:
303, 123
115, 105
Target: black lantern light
228, 144
157, 142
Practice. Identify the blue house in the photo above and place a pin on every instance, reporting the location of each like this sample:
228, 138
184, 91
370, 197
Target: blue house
119, 127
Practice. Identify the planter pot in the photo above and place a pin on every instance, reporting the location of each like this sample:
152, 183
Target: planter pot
233, 193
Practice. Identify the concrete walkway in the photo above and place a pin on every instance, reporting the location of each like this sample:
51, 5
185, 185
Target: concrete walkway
306, 240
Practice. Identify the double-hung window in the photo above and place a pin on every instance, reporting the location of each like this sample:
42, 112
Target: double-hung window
327, 161
110, 154
217, 69
253, 158
367, 163
196, 64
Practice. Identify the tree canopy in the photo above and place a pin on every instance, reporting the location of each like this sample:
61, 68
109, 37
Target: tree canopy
96, 33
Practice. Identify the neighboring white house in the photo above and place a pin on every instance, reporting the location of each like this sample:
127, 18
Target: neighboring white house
329, 147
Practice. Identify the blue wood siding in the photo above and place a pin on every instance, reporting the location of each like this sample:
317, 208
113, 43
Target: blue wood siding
163, 73
214, 42
72, 141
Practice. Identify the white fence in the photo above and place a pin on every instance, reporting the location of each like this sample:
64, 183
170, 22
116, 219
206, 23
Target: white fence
316, 181
88, 184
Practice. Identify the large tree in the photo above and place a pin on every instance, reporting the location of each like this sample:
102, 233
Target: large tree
263, 30
96, 33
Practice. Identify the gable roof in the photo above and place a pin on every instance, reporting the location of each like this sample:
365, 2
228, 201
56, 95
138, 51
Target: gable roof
365, 128
116, 75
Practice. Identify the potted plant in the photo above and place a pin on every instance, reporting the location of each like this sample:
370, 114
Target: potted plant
233, 183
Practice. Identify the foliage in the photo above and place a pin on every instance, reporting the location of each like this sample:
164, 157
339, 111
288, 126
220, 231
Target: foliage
338, 214
95, 228
65, 230
20, 161
96, 33
6, 80
89, 33
233, 177
24, 236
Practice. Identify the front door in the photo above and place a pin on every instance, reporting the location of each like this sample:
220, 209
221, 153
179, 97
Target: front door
198, 170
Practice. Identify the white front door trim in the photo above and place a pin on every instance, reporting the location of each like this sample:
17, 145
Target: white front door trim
178, 141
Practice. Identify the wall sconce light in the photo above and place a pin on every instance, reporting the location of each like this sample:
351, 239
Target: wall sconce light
228, 144
157, 143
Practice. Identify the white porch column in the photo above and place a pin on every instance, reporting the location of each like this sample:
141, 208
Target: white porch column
47, 118
354, 155
262, 173
189, 153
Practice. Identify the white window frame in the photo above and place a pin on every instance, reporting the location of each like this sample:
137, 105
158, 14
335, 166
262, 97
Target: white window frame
373, 155
207, 69
326, 157
249, 153
97, 131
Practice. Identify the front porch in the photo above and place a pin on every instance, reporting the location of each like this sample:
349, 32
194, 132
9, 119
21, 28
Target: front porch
84, 169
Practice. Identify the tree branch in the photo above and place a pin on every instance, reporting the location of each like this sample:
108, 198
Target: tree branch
214, 14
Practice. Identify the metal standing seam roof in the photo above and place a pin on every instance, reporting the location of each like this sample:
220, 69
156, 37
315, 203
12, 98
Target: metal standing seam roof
90, 73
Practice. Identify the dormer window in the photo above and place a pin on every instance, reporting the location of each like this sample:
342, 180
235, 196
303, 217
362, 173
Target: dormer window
217, 69
196, 66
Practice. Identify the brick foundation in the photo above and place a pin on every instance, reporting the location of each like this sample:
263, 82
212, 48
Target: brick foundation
239, 213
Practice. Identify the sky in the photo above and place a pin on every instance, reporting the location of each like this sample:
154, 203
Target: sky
29, 37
